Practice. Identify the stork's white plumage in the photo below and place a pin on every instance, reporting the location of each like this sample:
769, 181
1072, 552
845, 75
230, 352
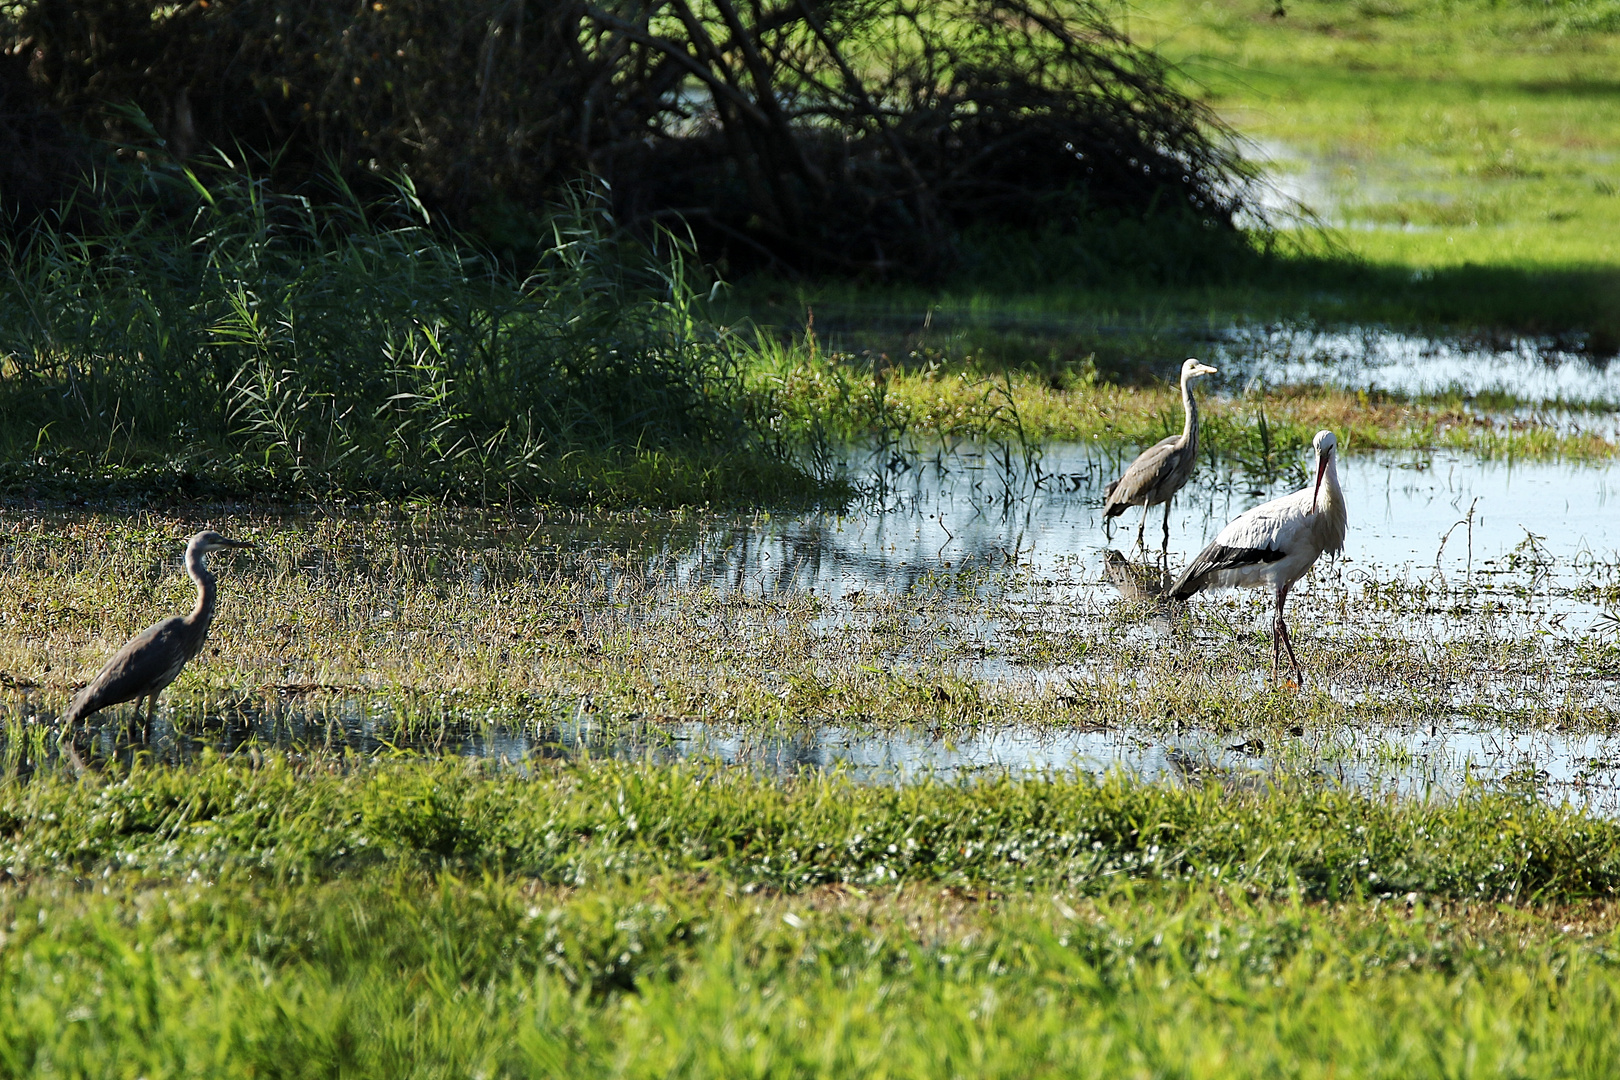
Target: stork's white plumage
1275, 543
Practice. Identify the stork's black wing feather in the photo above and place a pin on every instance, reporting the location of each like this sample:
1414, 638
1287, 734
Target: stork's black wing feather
1220, 557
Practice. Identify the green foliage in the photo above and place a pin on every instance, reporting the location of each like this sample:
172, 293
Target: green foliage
415, 975
596, 822
258, 342
382, 922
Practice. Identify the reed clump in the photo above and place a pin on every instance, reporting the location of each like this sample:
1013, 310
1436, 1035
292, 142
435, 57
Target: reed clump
231, 340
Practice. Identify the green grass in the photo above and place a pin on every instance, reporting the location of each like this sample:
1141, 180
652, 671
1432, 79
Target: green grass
224, 340
434, 919
579, 825
1491, 128
927, 396
1461, 152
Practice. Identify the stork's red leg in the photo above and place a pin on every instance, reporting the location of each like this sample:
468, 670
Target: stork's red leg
1281, 630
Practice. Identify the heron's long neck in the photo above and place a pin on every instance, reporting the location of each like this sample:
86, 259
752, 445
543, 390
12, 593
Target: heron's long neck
1189, 429
203, 613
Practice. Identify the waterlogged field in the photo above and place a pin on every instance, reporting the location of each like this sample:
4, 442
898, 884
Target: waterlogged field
923, 785
926, 786
925, 782
970, 610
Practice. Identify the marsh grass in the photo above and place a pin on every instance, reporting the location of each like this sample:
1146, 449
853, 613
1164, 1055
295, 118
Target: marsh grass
928, 395
412, 974
247, 342
415, 913
443, 622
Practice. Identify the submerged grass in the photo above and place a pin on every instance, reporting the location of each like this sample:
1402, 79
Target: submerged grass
439, 620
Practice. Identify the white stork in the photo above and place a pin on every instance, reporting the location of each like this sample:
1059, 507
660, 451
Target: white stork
1274, 544
1163, 468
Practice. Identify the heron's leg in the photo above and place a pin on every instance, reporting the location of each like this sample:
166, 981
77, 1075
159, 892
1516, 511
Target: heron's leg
1167, 526
1141, 529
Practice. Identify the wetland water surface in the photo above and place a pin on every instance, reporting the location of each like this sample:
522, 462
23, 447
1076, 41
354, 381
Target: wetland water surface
1446, 553
1538, 371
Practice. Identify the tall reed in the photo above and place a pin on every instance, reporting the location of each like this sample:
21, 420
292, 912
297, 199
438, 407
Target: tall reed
317, 345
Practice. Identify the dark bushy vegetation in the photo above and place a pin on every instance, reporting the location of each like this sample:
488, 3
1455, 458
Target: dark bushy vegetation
832, 135
249, 341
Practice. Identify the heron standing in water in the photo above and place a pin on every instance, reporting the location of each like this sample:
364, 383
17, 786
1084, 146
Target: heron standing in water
150, 660
1163, 468
1274, 544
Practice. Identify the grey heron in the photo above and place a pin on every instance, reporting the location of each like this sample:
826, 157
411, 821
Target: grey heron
1163, 468
150, 660
1273, 545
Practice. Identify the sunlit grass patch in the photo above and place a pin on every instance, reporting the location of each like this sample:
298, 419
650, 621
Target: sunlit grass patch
930, 396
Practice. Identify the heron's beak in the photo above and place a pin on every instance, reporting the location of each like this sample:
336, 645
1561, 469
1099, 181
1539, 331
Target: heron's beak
1205, 369
240, 543
1321, 470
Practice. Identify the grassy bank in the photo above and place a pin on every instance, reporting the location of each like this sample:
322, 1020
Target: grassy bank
857, 398
1459, 153
432, 919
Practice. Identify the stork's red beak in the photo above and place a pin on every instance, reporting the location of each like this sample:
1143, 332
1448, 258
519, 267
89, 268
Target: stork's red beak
1321, 470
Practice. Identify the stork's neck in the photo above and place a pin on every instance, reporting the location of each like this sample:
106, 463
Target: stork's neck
1189, 427
203, 613
1332, 520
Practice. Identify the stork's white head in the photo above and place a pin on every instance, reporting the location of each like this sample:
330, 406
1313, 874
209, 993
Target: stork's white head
1325, 444
1191, 368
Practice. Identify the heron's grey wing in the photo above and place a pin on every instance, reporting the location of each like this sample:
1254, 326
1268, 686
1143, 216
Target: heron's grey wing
1140, 477
147, 663
1217, 557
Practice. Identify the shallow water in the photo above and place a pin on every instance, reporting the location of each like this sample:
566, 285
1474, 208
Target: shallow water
1580, 770
1425, 514
1529, 542
1538, 371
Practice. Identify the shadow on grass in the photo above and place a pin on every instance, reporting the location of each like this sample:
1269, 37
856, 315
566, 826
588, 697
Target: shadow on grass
1135, 297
